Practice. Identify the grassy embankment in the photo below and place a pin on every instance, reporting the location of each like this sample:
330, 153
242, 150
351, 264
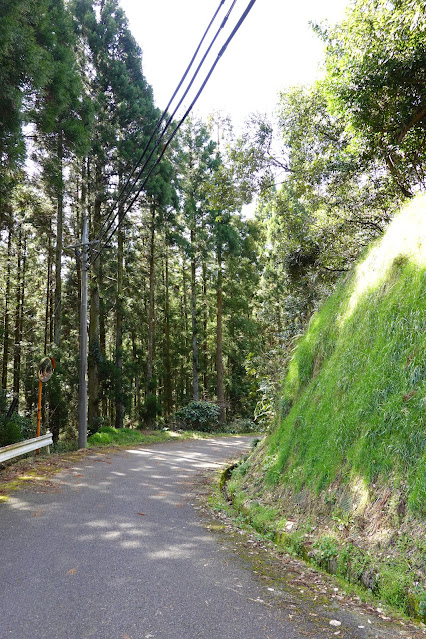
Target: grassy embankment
341, 478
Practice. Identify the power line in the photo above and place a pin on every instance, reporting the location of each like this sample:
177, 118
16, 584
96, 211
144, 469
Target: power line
166, 145
102, 234
108, 222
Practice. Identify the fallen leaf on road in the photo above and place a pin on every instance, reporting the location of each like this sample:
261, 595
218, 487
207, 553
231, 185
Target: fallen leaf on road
72, 571
141, 513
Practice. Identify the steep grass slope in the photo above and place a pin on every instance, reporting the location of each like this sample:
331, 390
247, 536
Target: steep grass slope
341, 477
354, 399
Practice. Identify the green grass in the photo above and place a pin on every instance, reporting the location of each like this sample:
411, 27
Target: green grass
354, 397
109, 436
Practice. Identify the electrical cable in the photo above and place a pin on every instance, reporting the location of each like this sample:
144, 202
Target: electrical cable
164, 114
164, 148
109, 223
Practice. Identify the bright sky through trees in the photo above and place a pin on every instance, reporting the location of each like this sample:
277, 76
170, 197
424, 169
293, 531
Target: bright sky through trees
275, 48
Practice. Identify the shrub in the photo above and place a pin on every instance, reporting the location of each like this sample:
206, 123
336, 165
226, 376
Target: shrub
325, 551
109, 436
10, 432
149, 411
202, 416
394, 587
15, 429
241, 425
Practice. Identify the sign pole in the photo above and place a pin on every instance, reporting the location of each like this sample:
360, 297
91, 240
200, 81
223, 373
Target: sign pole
45, 372
40, 385
82, 370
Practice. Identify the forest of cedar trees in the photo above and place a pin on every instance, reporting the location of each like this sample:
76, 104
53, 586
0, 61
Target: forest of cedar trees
190, 300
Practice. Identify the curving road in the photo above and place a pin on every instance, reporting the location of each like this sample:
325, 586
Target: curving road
116, 550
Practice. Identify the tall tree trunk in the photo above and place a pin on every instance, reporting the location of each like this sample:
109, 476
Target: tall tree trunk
205, 345
150, 355
21, 318
6, 314
51, 314
182, 385
150, 386
94, 351
137, 379
29, 386
168, 399
19, 314
17, 344
94, 340
48, 287
220, 389
195, 374
53, 414
59, 244
119, 409
102, 339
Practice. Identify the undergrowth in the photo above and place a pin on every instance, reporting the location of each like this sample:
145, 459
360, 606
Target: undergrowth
390, 582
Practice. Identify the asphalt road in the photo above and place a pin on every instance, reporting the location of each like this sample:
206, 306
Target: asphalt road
116, 550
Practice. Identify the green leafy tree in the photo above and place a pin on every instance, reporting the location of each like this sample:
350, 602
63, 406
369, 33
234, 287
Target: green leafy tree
376, 81
332, 171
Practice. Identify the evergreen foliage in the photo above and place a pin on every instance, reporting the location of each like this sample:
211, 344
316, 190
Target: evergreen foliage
202, 416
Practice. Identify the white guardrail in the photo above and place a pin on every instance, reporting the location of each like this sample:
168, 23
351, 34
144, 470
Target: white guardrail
20, 448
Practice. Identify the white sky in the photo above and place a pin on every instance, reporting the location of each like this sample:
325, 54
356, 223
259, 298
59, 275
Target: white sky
275, 48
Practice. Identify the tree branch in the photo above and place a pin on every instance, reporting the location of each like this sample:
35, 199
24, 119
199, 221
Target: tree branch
394, 172
281, 165
419, 114
335, 270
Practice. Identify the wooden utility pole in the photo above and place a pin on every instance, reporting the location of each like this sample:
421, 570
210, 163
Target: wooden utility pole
82, 369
